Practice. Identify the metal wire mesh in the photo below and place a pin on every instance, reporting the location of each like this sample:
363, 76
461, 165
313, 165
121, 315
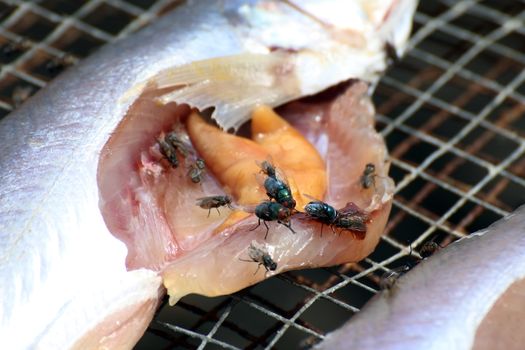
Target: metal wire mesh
452, 112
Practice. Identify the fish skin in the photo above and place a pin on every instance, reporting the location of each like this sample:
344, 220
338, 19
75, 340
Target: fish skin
441, 302
57, 257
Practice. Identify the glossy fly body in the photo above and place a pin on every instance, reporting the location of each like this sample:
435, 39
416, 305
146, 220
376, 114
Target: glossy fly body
279, 191
276, 185
322, 212
214, 202
272, 211
262, 257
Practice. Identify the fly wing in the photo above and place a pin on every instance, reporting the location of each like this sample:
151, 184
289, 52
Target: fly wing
263, 164
352, 209
203, 201
279, 173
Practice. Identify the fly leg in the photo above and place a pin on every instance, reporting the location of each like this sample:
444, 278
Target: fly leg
258, 224
287, 224
218, 210
267, 229
258, 265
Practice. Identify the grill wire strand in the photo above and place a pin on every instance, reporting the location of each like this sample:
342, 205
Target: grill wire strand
452, 112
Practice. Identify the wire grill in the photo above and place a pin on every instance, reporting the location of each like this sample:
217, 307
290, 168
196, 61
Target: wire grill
452, 112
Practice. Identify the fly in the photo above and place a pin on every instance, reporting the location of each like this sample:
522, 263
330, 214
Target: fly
272, 211
196, 171
353, 219
214, 202
349, 218
175, 140
428, 249
169, 147
280, 191
389, 278
268, 168
262, 257
276, 186
322, 212
368, 178
169, 152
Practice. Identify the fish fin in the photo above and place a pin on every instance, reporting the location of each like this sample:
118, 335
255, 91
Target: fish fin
233, 85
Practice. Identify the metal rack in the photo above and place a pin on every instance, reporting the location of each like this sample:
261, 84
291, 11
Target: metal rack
452, 112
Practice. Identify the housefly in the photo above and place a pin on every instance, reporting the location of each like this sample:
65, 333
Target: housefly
174, 139
272, 211
268, 168
428, 249
353, 219
169, 152
169, 145
214, 202
262, 257
368, 178
196, 170
389, 278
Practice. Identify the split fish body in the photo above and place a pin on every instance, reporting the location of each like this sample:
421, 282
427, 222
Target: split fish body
65, 283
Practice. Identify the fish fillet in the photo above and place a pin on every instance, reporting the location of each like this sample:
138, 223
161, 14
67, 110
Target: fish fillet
64, 274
